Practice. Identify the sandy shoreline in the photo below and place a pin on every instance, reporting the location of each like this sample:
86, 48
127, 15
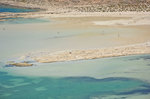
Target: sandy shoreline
95, 53
75, 14
135, 66
71, 55
135, 18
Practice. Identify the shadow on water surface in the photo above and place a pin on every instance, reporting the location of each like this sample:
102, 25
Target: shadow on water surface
16, 87
140, 57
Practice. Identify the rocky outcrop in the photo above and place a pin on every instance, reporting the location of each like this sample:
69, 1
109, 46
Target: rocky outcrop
85, 5
66, 2
20, 64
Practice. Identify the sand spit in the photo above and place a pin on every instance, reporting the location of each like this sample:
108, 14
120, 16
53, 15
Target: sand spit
93, 53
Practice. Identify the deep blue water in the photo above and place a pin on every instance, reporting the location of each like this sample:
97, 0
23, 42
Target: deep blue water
18, 20
4, 8
15, 87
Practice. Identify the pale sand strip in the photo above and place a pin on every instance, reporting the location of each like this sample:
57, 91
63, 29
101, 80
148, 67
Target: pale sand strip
139, 20
74, 14
94, 53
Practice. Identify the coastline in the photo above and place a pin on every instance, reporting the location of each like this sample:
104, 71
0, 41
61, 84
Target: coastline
135, 18
95, 53
72, 55
76, 14
74, 44
65, 11
138, 68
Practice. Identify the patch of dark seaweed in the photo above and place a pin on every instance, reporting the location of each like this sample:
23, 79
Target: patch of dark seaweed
139, 91
71, 85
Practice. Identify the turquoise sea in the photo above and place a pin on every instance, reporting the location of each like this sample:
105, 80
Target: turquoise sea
16, 86
107, 78
6, 8
20, 20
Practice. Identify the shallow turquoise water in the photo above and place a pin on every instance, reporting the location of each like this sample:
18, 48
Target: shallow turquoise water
4, 8
77, 87
10, 20
15, 87
23, 20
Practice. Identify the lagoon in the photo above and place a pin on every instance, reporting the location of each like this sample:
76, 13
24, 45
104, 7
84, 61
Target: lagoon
108, 78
